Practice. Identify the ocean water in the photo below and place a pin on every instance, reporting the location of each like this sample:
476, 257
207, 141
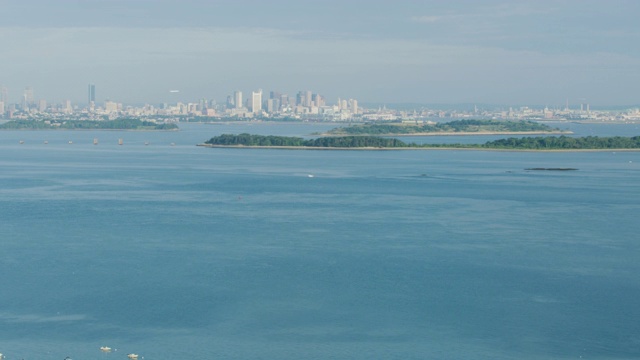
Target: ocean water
184, 252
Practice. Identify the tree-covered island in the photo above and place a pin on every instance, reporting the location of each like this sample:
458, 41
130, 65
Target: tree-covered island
117, 124
369, 142
459, 127
296, 142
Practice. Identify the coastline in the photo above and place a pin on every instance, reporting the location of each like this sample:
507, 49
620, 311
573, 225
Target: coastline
137, 130
462, 133
411, 148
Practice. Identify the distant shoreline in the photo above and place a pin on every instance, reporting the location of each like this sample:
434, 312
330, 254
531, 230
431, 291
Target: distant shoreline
137, 130
410, 148
462, 133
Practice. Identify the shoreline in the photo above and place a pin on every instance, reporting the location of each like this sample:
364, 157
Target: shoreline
140, 130
409, 148
462, 133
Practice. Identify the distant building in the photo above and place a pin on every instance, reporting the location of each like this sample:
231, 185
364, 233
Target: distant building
110, 107
28, 95
91, 94
67, 107
27, 98
256, 101
237, 97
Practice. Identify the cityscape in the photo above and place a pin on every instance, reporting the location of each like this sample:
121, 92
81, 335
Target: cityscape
303, 106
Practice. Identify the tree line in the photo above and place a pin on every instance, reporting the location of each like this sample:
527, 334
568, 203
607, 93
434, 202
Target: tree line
272, 140
117, 124
525, 143
453, 126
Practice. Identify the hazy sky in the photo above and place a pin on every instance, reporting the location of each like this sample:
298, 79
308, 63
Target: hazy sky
493, 51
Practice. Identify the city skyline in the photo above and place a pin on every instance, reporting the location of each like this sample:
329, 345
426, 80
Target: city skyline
486, 52
245, 100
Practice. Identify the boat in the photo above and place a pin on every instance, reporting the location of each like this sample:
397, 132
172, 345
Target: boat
105, 349
21, 141
95, 141
120, 142
146, 143
70, 142
46, 142
132, 356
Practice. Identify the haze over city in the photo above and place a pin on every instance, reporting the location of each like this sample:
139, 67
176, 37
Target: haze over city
498, 52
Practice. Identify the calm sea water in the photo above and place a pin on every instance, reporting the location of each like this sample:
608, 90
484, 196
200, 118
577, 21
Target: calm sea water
182, 252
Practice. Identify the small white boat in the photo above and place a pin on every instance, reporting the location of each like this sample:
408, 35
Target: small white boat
120, 142
95, 141
105, 349
21, 141
132, 356
46, 142
70, 142
146, 143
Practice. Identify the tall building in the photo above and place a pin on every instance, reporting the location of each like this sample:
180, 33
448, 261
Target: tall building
256, 101
28, 95
308, 98
5, 95
237, 97
284, 100
1, 109
27, 98
91, 94
67, 107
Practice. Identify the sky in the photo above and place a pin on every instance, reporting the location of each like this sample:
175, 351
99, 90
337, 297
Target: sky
508, 52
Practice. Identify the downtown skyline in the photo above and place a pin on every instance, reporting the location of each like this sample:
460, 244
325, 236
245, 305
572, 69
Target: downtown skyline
487, 52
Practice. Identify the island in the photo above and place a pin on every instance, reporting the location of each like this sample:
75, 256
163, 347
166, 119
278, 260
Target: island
549, 143
459, 127
59, 124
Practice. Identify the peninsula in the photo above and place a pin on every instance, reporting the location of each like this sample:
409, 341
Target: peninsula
117, 124
459, 127
549, 143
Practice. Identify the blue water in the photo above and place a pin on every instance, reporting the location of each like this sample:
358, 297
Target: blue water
177, 252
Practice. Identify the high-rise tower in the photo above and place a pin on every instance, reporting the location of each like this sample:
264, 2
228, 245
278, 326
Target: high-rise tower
256, 101
237, 98
27, 98
91, 94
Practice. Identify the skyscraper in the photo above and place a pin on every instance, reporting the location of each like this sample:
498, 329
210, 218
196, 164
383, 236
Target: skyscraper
237, 97
92, 94
27, 98
256, 101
